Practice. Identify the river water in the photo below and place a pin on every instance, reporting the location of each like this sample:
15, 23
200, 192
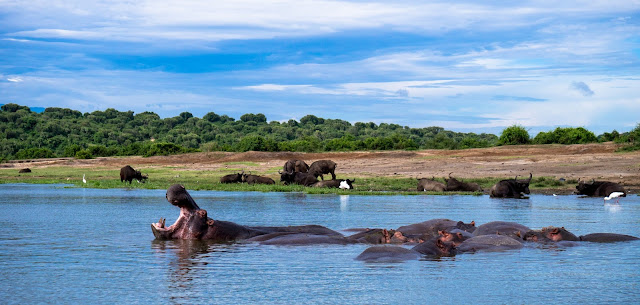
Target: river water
76, 245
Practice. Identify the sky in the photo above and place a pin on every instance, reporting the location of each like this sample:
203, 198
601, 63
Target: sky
471, 66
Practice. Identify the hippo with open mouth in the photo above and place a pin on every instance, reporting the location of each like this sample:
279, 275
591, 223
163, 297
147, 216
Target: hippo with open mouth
194, 223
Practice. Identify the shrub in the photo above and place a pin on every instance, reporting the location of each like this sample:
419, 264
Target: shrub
566, 136
34, 153
83, 154
514, 135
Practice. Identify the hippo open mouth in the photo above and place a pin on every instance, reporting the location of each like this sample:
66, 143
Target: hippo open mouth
189, 212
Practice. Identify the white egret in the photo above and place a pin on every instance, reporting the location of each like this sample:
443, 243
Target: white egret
83, 179
614, 195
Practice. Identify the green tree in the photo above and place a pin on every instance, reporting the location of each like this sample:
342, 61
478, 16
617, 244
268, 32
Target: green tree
514, 135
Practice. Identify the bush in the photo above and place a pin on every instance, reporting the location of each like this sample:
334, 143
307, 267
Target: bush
34, 153
514, 135
71, 150
566, 136
83, 154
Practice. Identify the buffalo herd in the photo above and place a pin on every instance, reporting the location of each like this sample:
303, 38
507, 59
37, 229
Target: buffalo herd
299, 172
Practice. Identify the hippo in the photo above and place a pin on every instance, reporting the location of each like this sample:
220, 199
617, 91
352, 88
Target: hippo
24, 171
380, 236
435, 247
387, 254
455, 236
510, 229
429, 229
607, 237
194, 223
550, 234
489, 242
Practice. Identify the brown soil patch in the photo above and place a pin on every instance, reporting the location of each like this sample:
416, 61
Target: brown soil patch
586, 161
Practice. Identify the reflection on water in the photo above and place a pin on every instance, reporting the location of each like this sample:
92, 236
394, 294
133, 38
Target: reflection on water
77, 245
344, 203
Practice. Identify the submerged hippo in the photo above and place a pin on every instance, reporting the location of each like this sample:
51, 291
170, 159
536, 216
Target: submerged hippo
510, 229
388, 254
429, 229
550, 234
490, 242
194, 223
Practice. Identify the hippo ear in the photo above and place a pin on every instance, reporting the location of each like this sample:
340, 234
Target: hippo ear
473, 223
442, 232
460, 235
555, 231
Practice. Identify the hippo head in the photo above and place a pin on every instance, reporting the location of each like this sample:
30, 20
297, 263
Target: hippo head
456, 238
191, 224
550, 234
347, 184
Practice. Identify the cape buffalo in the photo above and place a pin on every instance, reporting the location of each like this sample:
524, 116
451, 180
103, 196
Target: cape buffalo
455, 185
127, 173
305, 179
338, 183
232, 178
511, 188
425, 184
255, 179
296, 166
321, 167
599, 188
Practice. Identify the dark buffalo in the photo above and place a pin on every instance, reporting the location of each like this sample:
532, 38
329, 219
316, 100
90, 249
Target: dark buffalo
321, 167
232, 178
296, 166
511, 188
306, 179
255, 179
343, 184
599, 188
455, 185
425, 184
127, 173
24, 170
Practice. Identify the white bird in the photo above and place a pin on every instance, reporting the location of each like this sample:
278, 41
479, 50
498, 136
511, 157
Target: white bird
83, 179
614, 195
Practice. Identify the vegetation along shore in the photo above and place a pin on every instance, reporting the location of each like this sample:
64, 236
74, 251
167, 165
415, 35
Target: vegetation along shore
61, 145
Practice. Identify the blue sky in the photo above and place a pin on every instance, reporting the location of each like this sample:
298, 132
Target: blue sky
474, 66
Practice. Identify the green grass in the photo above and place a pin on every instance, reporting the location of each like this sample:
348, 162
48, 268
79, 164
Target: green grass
163, 177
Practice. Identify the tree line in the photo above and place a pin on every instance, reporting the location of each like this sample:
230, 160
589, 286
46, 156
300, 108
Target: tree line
63, 132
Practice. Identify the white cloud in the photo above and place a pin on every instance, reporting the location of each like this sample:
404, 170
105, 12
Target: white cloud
14, 79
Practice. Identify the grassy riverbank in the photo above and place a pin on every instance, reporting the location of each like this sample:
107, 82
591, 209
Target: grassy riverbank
163, 177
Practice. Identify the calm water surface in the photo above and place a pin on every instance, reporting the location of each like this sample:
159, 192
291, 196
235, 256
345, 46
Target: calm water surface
77, 245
